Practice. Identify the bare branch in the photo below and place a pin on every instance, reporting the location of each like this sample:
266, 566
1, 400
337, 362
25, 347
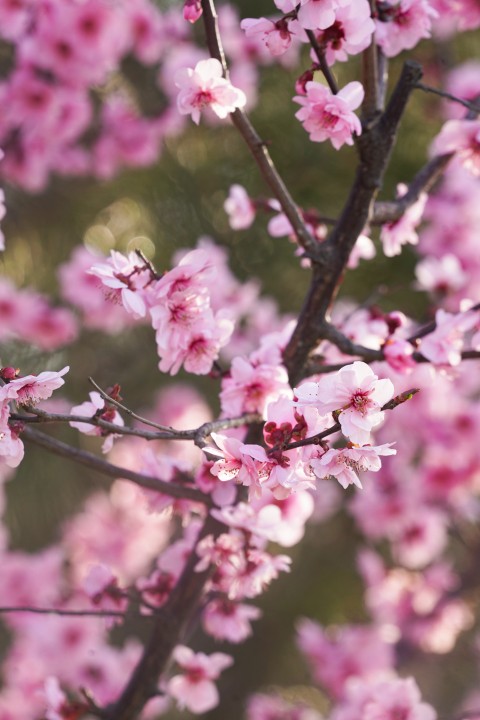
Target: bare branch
83, 457
256, 145
62, 612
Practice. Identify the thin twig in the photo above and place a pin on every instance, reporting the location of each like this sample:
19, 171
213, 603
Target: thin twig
472, 106
127, 410
62, 612
197, 435
317, 439
322, 61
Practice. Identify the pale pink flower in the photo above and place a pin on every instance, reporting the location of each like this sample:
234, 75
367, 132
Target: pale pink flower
398, 353
402, 24
2, 213
227, 620
364, 249
239, 208
127, 278
336, 655
317, 14
276, 35
461, 137
402, 231
251, 387
357, 392
205, 86
11, 447
235, 463
383, 699
349, 34
441, 274
194, 689
444, 345
345, 464
96, 407
30, 389
326, 116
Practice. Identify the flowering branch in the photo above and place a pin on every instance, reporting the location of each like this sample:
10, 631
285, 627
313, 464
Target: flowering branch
256, 145
375, 146
168, 629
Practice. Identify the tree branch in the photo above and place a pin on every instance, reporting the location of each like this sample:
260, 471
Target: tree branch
324, 67
375, 146
255, 143
386, 212
83, 457
168, 630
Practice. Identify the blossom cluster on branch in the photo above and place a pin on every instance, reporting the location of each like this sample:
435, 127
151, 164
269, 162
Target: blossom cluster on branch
188, 532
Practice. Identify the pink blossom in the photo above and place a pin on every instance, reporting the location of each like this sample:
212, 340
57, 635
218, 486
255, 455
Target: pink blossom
398, 353
239, 208
330, 117
205, 86
276, 35
357, 392
251, 386
338, 654
441, 274
127, 278
227, 620
364, 249
402, 231
97, 407
402, 24
11, 447
349, 34
194, 689
461, 137
444, 345
317, 14
30, 389
236, 461
344, 464
383, 699
2, 213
